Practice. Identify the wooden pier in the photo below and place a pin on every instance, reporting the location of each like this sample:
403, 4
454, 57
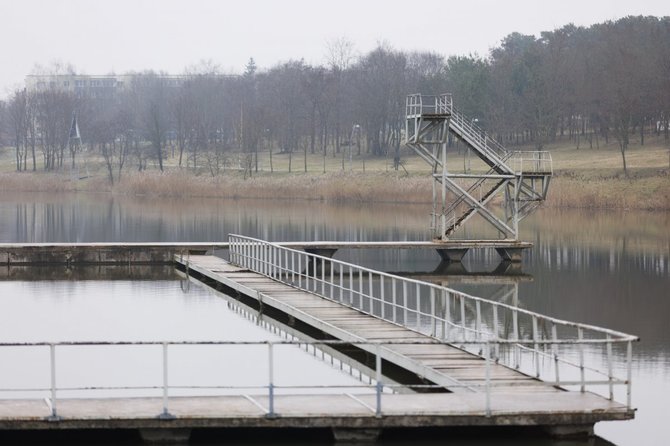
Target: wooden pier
468, 361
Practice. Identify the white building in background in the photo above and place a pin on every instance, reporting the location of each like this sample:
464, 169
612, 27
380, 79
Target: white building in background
92, 85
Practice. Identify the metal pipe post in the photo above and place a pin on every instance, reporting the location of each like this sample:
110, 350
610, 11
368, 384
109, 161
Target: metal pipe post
495, 331
433, 321
580, 338
271, 390
629, 366
165, 413
378, 370
52, 354
610, 378
536, 348
554, 336
487, 358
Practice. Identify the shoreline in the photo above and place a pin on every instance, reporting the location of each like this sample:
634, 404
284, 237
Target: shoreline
565, 191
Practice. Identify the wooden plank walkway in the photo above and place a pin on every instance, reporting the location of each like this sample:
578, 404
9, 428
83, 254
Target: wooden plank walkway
453, 368
448, 366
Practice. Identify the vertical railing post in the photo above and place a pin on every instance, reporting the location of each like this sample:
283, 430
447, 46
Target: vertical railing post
487, 357
417, 322
52, 361
331, 266
341, 282
360, 289
515, 326
323, 277
580, 339
495, 331
271, 389
166, 413
371, 299
381, 297
433, 321
351, 286
609, 367
378, 378
404, 303
554, 336
629, 373
478, 320
460, 298
447, 314
255, 259
299, 270
536, 348
275, 262
393, 299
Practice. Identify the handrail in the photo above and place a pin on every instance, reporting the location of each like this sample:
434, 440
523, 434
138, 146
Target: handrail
490, 146
439, 312
525, 162
377, 383
418, 104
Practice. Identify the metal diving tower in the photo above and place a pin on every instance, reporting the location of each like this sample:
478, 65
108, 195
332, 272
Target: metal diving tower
518, 180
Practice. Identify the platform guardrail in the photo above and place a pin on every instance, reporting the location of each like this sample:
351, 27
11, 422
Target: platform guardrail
559, 352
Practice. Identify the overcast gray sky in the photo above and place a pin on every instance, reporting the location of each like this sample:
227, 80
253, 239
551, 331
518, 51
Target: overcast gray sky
99, 37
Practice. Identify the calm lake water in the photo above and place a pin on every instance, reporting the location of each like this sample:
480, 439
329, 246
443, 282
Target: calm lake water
604, 268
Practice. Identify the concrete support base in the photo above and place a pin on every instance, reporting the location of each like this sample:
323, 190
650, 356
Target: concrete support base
570, 430
355, 435
323, 252
452, 254
510, 254
166, 435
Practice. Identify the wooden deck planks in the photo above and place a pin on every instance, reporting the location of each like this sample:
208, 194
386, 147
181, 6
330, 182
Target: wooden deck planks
440, 360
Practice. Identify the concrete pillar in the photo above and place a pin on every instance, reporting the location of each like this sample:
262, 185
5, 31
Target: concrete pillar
355, 435
452, 254
511, 254
570, 430
165, 435
323, 252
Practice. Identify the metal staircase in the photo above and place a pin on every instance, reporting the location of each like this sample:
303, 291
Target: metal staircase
522, 178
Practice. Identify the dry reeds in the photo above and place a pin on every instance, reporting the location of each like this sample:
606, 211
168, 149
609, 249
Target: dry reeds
610, 193
651, 193
331, 187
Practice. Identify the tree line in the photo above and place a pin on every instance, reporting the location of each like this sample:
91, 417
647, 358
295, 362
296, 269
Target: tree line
588, 84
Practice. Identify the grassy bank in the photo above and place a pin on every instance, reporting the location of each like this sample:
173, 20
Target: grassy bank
584, 178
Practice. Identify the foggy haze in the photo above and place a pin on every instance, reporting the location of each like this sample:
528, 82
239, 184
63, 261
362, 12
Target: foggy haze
99, 37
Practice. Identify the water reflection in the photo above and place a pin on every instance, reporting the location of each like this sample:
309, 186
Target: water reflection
603, 268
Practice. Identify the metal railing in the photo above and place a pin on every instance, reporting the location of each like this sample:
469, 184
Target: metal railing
529, 162
550, 349
418, 104
52, 392
473, 134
